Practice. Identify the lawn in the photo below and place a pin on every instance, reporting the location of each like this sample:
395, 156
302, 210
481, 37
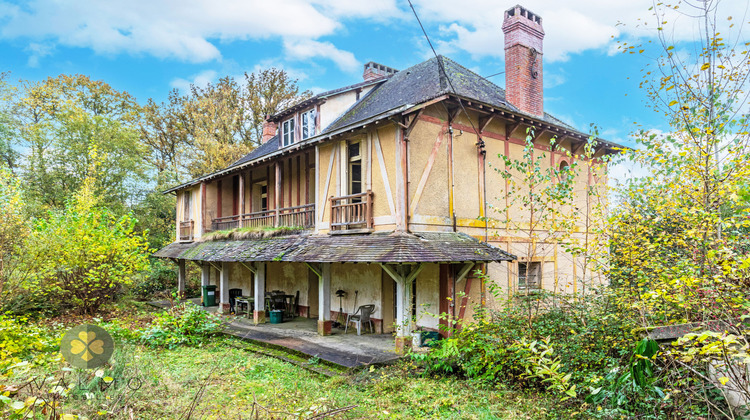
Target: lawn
226, 379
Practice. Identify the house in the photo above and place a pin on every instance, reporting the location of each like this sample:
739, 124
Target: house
385, 190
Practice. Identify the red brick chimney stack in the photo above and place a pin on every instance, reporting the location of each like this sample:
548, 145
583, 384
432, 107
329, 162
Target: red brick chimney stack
269, 129
523, 60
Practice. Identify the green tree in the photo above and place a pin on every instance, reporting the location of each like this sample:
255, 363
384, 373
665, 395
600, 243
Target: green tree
61, 119
266, 93
13, 229
8, 156
679, 235
84, 254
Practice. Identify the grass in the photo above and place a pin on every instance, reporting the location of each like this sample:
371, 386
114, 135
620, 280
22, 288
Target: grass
250, 233
226, 381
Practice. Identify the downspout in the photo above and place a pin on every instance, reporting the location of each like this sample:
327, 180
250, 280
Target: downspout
451, 208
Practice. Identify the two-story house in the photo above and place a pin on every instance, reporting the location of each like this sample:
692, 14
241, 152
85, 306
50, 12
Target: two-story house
382, 189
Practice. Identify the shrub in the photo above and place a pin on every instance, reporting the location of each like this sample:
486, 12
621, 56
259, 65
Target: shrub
185, 324
160, 277
24, 342
83, 255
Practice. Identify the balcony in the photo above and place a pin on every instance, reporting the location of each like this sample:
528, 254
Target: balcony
352, 213
186, 231
299, 216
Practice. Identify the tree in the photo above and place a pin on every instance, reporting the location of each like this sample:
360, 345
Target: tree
84, 254
61, 119
13, 228
268, 92
679, 235
8, 156
165, 135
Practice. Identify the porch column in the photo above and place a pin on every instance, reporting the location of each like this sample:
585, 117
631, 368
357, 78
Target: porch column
259, 292
403, 275
324, 300
205, 278
181, 275
224, 288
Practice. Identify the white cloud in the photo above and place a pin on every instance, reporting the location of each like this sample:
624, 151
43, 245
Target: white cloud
185, 30
571, 27
201, 79
37, 52
305, 49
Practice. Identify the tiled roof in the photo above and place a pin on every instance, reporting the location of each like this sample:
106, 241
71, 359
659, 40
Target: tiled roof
378, 247
266, 148
420, 83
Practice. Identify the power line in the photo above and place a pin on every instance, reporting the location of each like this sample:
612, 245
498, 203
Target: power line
493, 75
480, 143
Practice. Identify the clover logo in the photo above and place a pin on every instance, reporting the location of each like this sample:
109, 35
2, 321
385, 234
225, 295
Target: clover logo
87, 346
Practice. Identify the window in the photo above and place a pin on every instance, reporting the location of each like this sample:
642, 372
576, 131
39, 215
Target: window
529, 275
287, 132
187, 210
264, 197
308, 124
355, 170
564, 171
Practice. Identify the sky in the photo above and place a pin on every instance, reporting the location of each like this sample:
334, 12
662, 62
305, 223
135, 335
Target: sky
148, 47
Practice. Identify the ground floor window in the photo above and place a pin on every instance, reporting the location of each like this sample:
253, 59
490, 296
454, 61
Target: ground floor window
529, 275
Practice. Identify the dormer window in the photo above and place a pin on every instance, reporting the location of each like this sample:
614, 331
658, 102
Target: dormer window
287, 132
308, 124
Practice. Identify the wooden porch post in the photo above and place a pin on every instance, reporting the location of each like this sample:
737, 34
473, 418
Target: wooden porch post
324, 300
403, 275
224, 288
259, 291
181, 279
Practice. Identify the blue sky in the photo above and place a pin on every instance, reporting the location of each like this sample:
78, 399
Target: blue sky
147, 47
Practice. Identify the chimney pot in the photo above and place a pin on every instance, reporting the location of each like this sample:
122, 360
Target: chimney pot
523, 60
374, 71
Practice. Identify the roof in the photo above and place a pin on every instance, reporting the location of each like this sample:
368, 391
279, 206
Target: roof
420, 83
264, 149
379, 247
397, 93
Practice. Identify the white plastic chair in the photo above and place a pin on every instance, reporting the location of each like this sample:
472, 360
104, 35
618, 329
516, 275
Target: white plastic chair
360, 316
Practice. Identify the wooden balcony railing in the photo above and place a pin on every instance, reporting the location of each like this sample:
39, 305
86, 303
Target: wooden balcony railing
299, 216
226, 223
352, 211
186, 230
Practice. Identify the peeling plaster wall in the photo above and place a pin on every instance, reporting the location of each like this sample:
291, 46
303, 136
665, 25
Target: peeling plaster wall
428, 296
289, 277
364, 278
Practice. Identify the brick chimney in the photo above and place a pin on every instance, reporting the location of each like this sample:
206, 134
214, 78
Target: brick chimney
269, 129
523, 60
374, 71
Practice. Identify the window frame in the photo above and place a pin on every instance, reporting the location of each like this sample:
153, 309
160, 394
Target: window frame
536, 275
307, 122
287, 132
187, 206
350, 161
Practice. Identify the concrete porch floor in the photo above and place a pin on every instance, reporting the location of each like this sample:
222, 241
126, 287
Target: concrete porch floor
301, 335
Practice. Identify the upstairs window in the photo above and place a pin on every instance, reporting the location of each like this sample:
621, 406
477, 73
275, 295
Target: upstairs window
529, 275
308, 124
355, 170
287, 132
264, 197
187, 209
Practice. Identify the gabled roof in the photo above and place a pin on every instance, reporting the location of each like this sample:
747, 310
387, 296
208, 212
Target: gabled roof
397, 93
379, 247
420, 83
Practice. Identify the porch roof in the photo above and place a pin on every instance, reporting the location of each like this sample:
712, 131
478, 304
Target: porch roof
385, 247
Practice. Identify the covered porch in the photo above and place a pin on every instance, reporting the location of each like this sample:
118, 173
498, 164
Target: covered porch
408, 278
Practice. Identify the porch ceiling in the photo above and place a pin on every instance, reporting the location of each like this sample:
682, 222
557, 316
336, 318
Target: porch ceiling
442, 247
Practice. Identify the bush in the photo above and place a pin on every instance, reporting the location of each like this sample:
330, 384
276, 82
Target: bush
22, 342
160, 277
185, 324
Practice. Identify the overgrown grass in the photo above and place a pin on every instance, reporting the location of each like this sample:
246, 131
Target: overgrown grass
250, 233
222, 380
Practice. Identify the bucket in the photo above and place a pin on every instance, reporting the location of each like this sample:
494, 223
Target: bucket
277, 316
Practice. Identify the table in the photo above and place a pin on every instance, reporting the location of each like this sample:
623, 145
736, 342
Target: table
248, 301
